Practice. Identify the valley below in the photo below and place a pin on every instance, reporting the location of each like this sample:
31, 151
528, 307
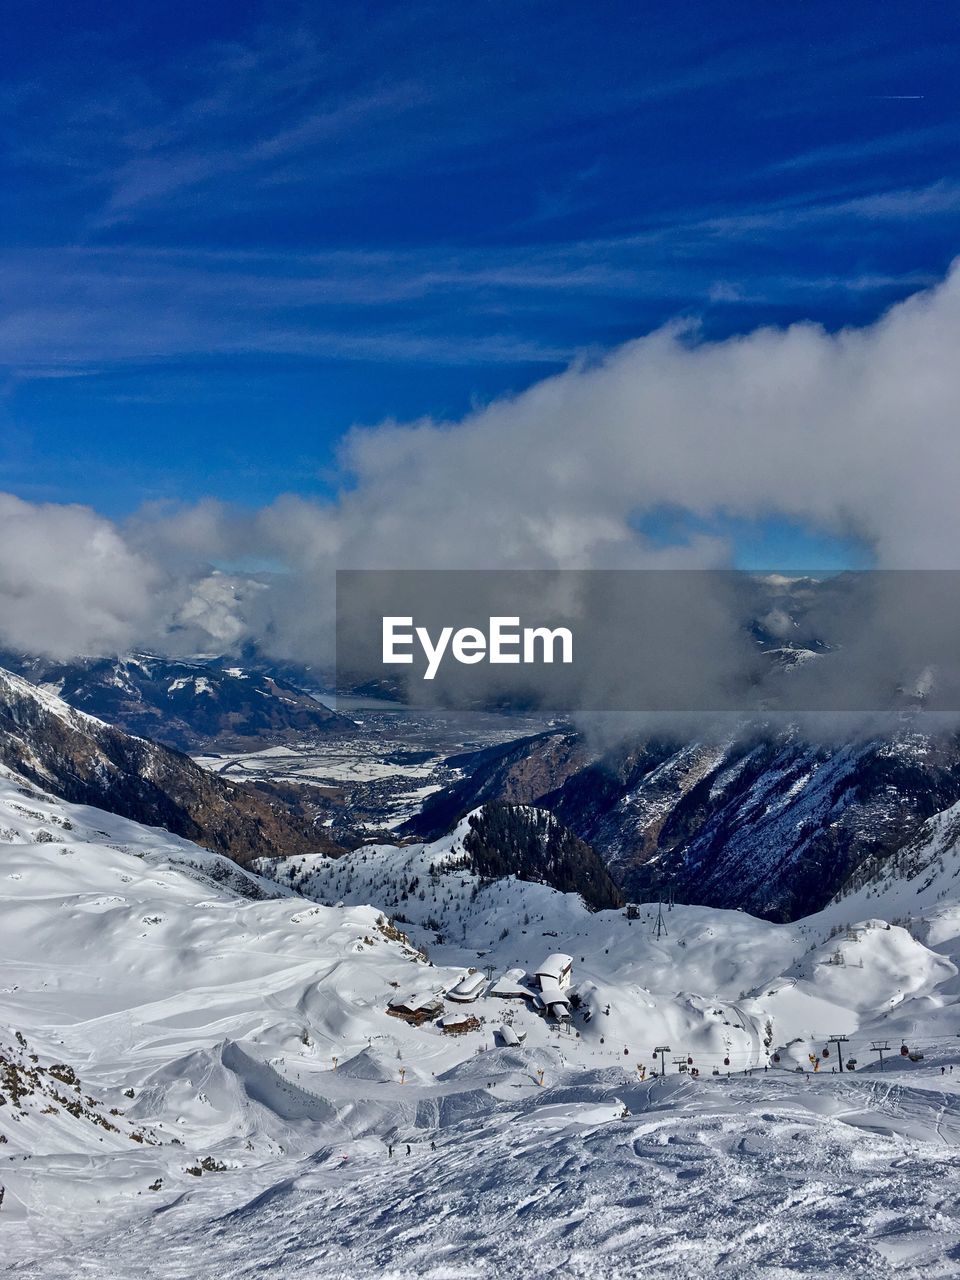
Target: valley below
377, 771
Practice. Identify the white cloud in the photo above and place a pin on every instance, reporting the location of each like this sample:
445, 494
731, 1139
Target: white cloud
69, 584
855, 432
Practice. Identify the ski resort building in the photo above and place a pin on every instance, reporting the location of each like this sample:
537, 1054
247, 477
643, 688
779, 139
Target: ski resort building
510, 1036
468, 988
553, 979
511, 986
416, 1007
556, 969
554, 1000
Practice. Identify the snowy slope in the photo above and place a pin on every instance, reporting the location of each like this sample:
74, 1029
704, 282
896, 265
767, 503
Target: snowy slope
761, 1179
268, 1080
719, 985
144, 962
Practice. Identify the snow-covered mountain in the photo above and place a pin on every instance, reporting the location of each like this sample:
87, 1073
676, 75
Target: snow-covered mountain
922, 874
767, 821
187, 705
81, 759
531, 844
201, 1072
428, 1059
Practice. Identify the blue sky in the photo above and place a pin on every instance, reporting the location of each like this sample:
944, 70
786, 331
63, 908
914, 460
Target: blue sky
229, 232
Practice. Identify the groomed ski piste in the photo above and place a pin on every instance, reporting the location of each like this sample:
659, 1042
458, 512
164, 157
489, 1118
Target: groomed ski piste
200, 1075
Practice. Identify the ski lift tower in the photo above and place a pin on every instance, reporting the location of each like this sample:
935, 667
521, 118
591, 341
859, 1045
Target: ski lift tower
839, 1041
881, 1047
660, 928
662, 1049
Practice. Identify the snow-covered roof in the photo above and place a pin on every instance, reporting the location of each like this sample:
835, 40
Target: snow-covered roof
552, 993
508, 1035
555, 966
469, 985
511, 984
414, 1001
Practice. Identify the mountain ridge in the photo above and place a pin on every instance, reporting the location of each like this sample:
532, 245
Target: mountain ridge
185, 704
760, 819
86, 761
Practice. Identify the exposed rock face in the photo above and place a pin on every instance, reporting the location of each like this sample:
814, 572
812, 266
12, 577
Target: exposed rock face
83, 760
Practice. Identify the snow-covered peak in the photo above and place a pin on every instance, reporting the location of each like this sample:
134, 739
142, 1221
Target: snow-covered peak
17, 689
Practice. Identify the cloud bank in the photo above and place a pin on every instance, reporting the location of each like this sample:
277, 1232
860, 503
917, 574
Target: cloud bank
855, 433
69, 582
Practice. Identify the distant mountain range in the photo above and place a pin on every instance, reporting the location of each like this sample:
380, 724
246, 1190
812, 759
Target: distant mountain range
766, 818
187, 705
85, 761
